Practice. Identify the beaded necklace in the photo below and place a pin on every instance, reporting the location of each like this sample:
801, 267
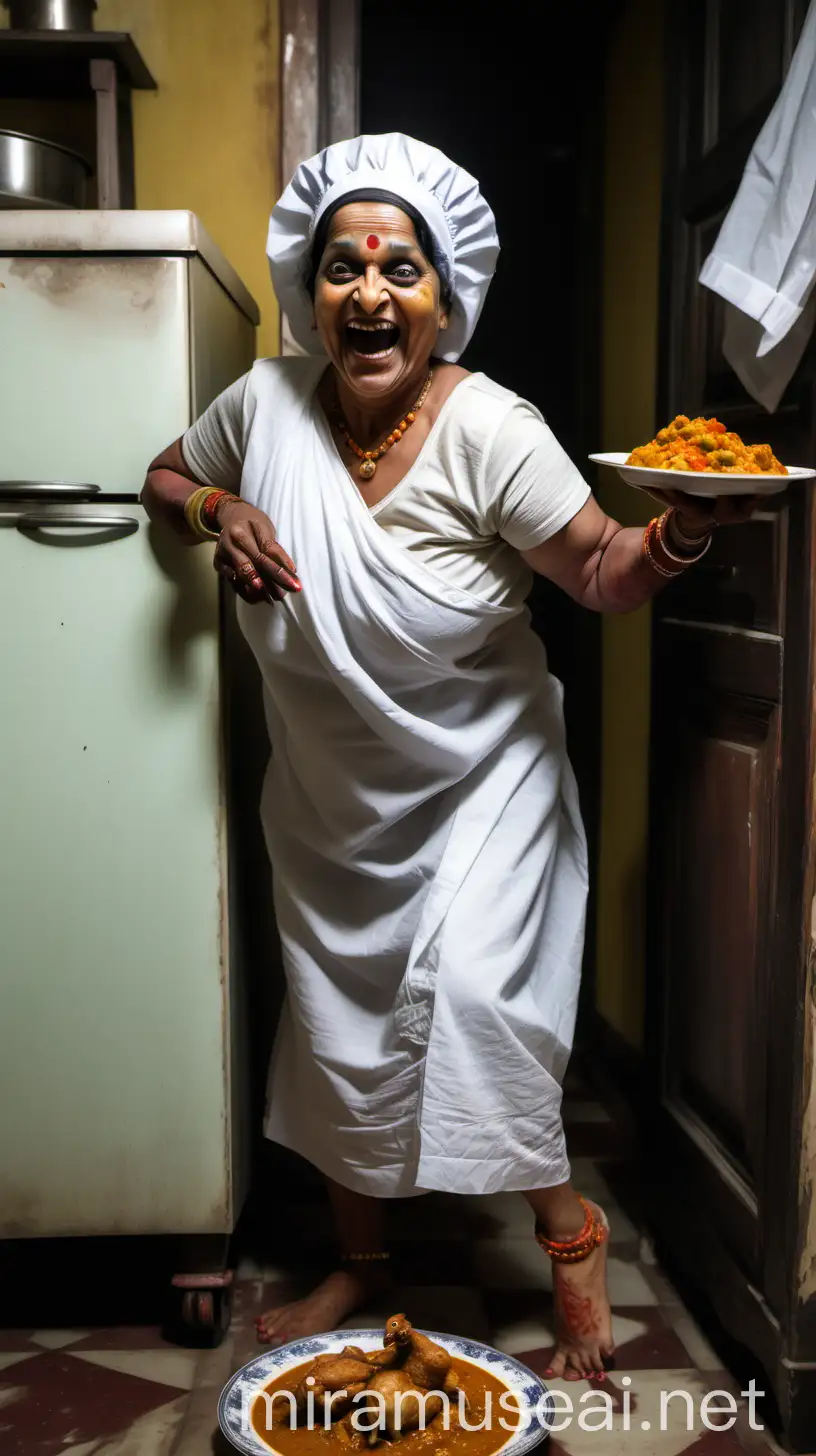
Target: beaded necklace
368, 458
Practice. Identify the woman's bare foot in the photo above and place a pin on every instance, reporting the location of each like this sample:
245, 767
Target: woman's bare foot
326, 1307
583, 1319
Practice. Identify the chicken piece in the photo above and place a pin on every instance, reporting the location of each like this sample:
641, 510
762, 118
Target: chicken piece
347, 1435
385, 1359
342, 1375
401, 1407
427, 1365
346, 1371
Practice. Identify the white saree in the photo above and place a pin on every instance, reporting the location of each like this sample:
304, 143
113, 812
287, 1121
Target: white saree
428, 855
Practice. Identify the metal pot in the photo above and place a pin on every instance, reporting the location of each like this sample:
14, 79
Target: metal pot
37, 173
50, 14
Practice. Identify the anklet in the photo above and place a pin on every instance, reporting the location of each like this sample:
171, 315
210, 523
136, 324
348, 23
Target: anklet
572, 1251
364, 1258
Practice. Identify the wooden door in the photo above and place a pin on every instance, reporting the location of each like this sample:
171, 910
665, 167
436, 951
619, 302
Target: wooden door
731, 743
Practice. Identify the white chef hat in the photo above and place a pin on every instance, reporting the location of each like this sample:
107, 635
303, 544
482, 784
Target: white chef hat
447, 198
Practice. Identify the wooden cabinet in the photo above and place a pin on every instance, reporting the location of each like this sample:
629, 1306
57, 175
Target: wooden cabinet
732, 823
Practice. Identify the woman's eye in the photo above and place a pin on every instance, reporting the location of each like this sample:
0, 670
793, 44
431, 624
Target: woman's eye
339, 271
404, 273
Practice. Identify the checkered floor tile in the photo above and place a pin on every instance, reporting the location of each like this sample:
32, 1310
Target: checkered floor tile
468, 1265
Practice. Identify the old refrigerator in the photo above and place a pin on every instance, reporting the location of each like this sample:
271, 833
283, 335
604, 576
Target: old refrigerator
122, 1050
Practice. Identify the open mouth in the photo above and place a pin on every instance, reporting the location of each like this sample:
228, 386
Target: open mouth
375, 338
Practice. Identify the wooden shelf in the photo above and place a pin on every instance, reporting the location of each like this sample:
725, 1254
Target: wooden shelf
57, 63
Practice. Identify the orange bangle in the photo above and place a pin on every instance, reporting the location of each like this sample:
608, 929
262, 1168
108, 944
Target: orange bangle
572, 1251
648, 550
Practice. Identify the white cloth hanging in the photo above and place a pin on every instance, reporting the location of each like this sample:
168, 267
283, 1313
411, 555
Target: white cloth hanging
764, 260
422, 821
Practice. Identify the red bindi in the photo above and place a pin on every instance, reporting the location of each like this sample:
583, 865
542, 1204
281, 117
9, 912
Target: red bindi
372, 241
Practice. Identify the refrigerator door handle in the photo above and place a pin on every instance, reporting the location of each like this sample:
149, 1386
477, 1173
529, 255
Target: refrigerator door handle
39, 520
54, 490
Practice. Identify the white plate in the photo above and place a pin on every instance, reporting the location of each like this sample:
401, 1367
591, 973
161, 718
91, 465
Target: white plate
240, 1393
695, 482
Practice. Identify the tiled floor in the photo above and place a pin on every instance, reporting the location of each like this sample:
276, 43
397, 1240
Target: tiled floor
467, 1266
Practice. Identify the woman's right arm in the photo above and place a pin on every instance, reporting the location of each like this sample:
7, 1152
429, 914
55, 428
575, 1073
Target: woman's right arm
168, 485
247, 554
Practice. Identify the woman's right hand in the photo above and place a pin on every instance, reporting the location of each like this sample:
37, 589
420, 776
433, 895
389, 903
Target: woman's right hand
249, 555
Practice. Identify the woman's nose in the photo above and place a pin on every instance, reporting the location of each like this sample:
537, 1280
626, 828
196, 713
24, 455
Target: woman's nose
370, 292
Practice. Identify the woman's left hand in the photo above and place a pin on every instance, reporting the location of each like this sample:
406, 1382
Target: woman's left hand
702, 513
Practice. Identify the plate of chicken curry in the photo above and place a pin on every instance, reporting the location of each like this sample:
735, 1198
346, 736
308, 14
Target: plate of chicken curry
348, 1391
704, 458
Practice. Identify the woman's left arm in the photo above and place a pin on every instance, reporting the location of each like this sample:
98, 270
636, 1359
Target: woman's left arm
605, 567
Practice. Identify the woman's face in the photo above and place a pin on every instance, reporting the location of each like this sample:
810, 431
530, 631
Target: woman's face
377, 303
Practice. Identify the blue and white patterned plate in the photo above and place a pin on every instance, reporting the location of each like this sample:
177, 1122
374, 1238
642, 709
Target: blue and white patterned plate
238, 1397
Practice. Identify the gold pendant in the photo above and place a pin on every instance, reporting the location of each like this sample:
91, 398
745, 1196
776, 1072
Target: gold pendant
367, 469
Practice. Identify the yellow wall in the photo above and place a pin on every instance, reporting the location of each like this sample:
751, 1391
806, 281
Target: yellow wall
208, 139
632, 181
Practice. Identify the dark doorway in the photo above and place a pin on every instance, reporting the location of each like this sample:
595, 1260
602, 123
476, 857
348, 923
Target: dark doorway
513, 93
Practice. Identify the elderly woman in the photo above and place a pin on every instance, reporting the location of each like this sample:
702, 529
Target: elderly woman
380, 511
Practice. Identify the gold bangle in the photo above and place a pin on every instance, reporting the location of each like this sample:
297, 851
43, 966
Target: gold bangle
192, 513
191, 510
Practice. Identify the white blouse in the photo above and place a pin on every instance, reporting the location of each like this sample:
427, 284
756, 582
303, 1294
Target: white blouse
490, 480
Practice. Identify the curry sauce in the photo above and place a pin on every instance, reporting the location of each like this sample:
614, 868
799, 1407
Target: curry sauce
483, 1391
